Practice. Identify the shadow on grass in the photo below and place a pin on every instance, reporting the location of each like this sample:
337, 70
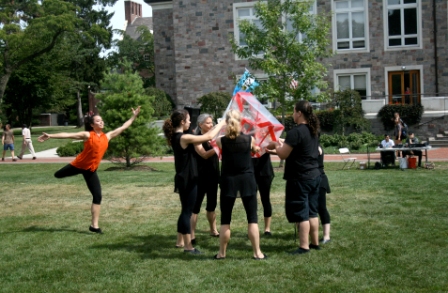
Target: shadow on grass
52, 230
163, 246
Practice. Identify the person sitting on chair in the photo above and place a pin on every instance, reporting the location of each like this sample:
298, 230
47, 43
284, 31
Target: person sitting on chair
386, 156
413, 140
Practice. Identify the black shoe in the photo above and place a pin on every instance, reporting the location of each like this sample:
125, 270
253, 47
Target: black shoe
193, 241
4, 159
95, 230
14, 160
316, 247
267, 233
264, 257
34, 158
19, 157
193, 251
218, 258
299, 251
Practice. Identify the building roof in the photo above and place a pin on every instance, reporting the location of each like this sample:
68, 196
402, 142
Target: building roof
139, 21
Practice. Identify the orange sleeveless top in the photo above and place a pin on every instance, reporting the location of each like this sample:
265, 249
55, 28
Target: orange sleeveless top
94, 148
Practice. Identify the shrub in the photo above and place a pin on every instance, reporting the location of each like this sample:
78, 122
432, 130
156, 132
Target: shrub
71, 149
326, 119
410, 114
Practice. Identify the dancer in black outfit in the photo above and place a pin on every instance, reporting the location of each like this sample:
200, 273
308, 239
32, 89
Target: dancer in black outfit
208, 170
300, 149
237, 178
324, 188
264, 174
185, 180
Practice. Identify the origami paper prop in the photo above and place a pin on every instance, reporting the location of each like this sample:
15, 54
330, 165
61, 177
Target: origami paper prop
256, 120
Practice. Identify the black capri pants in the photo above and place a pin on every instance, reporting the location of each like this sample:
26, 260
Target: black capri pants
250, 206
209, 187
264, 187
91, 178
187, 200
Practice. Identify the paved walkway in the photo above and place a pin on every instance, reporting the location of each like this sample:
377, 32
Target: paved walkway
50, 156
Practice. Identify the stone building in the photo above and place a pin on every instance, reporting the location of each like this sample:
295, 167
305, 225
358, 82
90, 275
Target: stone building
391, 51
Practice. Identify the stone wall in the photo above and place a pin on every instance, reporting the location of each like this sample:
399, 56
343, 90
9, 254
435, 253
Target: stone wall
164, 52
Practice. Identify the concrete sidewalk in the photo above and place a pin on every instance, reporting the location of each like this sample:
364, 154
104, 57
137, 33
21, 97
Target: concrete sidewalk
50, 156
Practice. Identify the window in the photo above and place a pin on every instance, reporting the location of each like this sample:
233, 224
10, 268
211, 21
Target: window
354, 79
350, 25
289, 27
146, 57
243, 11
402, 24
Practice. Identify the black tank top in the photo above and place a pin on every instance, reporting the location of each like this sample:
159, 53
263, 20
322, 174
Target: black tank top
185, 164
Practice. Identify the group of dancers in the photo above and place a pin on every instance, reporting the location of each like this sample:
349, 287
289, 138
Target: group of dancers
197, 175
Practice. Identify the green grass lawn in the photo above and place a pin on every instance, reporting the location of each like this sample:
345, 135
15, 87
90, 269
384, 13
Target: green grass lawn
389, 234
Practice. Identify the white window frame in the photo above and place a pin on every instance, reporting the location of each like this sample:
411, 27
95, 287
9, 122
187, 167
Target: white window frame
236, 20
386, 6
350, 39
352, 72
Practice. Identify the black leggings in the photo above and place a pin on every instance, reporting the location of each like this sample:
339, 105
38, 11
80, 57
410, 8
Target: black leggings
249, 203
187, 200
209, 187
264, 187
91, 178
322, 208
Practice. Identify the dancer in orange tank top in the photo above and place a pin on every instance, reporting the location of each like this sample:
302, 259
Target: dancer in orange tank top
87, 162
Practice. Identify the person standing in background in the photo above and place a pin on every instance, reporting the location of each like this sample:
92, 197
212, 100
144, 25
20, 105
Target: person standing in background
8, 142
27, 142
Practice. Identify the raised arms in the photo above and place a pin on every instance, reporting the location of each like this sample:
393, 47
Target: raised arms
116, 132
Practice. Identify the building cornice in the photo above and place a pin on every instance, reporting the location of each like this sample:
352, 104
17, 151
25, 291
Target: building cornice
160, 4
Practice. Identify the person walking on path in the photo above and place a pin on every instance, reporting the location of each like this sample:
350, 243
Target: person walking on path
238, 179
8, 142
300, 151
186, 178
27, 142
208, 178
87, 162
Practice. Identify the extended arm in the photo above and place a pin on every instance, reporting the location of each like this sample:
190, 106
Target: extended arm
282, 149
77, 135
196, 139
203, 153
116, 132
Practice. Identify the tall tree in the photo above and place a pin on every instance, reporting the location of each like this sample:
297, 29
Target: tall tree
121, 92
140, 52
29, 29
92, 34
286, 43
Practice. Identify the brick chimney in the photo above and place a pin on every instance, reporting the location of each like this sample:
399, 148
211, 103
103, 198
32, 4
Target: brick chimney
132, 11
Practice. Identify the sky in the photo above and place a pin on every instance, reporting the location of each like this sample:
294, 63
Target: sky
118, 20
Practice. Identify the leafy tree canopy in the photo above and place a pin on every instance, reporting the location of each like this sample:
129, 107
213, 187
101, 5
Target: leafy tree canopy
139, 51
286, 43
215, 103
